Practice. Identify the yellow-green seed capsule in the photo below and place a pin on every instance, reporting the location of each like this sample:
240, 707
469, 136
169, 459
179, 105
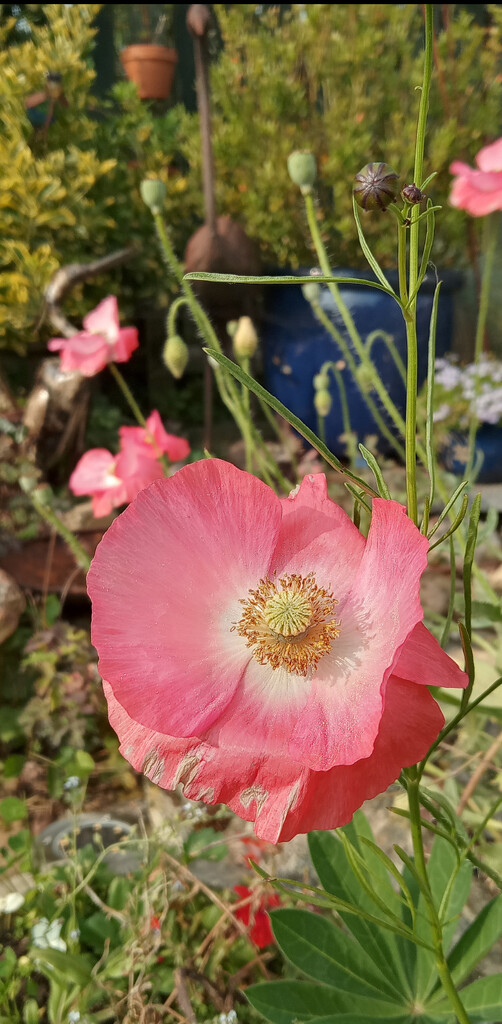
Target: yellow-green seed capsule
153, 193
323, 402
375, 186
245, 339
311, 291
302, 169
175, 355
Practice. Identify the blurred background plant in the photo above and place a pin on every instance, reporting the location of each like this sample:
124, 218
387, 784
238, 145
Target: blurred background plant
326, 78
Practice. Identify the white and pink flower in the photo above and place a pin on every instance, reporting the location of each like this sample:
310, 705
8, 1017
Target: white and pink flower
102, 341
261, 652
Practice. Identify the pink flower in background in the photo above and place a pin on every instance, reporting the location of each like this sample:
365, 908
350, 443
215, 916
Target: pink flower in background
102, 341
262, 653
479, 191
115, 480
154, 440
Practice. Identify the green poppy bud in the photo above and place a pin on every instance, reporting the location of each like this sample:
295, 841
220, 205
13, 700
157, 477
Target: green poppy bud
375, 186
311, 291
232, 327
153, 193
175, 355
322, 402
302, 169
245, 338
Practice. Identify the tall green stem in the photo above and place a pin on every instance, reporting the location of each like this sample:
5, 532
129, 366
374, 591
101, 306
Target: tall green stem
490, 236
414, 266
445, 977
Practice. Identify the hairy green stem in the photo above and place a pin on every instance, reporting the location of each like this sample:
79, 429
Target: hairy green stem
82, 557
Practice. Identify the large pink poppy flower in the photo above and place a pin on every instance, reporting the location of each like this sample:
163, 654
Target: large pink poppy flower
260, 651
479, 191
154, 440
102, 341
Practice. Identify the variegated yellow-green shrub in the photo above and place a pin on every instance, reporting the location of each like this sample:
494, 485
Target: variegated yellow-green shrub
69, 189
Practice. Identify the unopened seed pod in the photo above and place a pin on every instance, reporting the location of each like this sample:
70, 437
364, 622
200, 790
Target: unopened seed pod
375, 186
245, 339
302, 169
175, 355
323, 402
153, 193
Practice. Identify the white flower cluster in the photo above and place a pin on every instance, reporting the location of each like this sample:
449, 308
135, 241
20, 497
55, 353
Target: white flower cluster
477, 386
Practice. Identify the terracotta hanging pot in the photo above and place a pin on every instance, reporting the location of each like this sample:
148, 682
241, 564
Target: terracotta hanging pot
151, 68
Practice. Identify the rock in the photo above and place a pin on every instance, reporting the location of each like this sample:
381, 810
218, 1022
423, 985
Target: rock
12, 605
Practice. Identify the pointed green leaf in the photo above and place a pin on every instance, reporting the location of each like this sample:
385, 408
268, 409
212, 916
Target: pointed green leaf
73, 966
317, 947
285, 1002
484, 998
477, 941
332, 867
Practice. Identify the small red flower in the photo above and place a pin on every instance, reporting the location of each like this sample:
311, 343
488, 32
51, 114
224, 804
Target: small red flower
255, 917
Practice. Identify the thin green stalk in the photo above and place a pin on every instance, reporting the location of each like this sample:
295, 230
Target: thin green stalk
490, 236
411, 312
174, 309
445, 977
350, 326
82, 557
330, 327
388, 340
138, 415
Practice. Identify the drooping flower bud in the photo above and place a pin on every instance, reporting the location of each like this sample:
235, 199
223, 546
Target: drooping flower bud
245, 338
311, 291
323, 402
153, 193
302, 169
175, 355
412, 194
375, 186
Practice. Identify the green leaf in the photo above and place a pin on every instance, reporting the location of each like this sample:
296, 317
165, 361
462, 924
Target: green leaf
195, 845
13, 809
484, 998
317, 947
13, 766
477, 941
52, 608
330, 862
73, 967
290, 418
118, 892
285, 1002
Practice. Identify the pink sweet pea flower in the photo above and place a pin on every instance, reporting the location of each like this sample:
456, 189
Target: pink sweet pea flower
479, 191
102, 341
260, 652
154, 441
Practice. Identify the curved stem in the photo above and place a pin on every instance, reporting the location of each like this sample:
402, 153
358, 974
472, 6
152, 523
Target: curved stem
434, 922
173, 313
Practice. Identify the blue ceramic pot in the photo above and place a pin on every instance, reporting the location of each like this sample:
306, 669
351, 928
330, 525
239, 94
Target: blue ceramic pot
295, 345
455, 452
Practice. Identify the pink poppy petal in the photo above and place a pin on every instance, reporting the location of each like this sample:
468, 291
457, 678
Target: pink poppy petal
346, 700
317, 535
422, 660
490, 157
92, 471
104, 319
87, 353
103, 502
177, 562
126, 343
282, 797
